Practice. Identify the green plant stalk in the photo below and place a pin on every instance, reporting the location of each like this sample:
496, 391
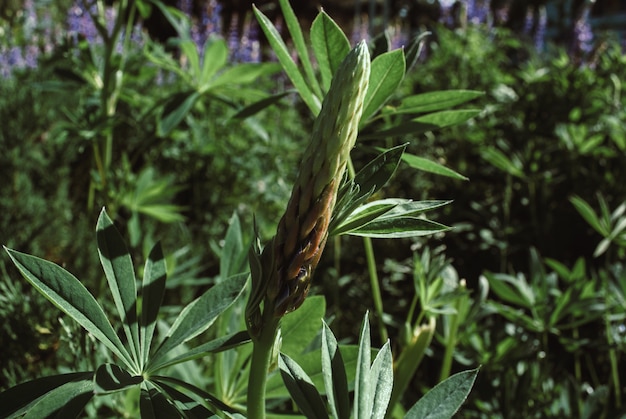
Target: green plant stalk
373, 274
409, 360
614, 363
446, 363
378, 299
263, 348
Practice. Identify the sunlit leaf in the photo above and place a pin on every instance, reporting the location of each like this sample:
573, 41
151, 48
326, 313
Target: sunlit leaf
67, 293
120, 274
330, 45
335, 378
426, 165
436, 101
289, 66
301, 388
387, 72
445, 399
199, 315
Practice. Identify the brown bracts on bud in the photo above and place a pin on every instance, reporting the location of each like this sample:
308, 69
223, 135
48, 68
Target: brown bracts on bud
303, 229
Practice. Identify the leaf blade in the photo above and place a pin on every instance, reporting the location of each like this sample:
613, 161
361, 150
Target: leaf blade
66, 292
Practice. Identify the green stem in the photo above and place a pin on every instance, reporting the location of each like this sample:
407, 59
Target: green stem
614, 362
373, 274
446, 364
263, 347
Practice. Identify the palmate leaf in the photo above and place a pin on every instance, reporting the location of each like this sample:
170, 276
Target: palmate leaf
15, 401
111, 378
199, 315
215, 57
397, 219
301, 388
70, 296
153, 404
175, 109
366, 182
65, 401
152, 291
445, 399
216, 345
120, 274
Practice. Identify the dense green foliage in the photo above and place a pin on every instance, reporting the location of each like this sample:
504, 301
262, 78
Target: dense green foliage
529, 284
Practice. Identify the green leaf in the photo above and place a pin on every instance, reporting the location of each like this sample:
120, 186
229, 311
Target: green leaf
260, 105
120, 274
175, 110
15, 401
377, 173
154, 404
191, 408
585, 210
362, 395
233, 256
425, 123
152, 291
243, 74
509, 289
330, 46
366, 214
215, 57
335, 378
498, 159
367, 181
166, 383
445, 399
289, 66
430, 166
399, 227
301, 326
214, 346
293, 25
310, 363
66, 292
436, 101
381, 381
386, 74
110, 378
67, 400
190, 51
199, 315
414, 49
301, 388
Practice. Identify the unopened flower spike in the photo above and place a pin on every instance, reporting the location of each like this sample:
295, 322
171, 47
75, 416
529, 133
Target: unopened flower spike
303, 230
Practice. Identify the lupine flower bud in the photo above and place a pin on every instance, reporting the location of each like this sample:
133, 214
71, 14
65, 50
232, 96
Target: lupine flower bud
303, 229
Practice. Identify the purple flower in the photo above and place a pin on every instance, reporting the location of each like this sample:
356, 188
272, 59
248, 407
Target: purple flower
540, 30
79, 23
582, 41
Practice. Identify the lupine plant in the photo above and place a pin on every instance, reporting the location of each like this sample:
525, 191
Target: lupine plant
329, 198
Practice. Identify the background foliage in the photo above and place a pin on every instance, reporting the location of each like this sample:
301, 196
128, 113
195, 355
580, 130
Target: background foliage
530, 284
